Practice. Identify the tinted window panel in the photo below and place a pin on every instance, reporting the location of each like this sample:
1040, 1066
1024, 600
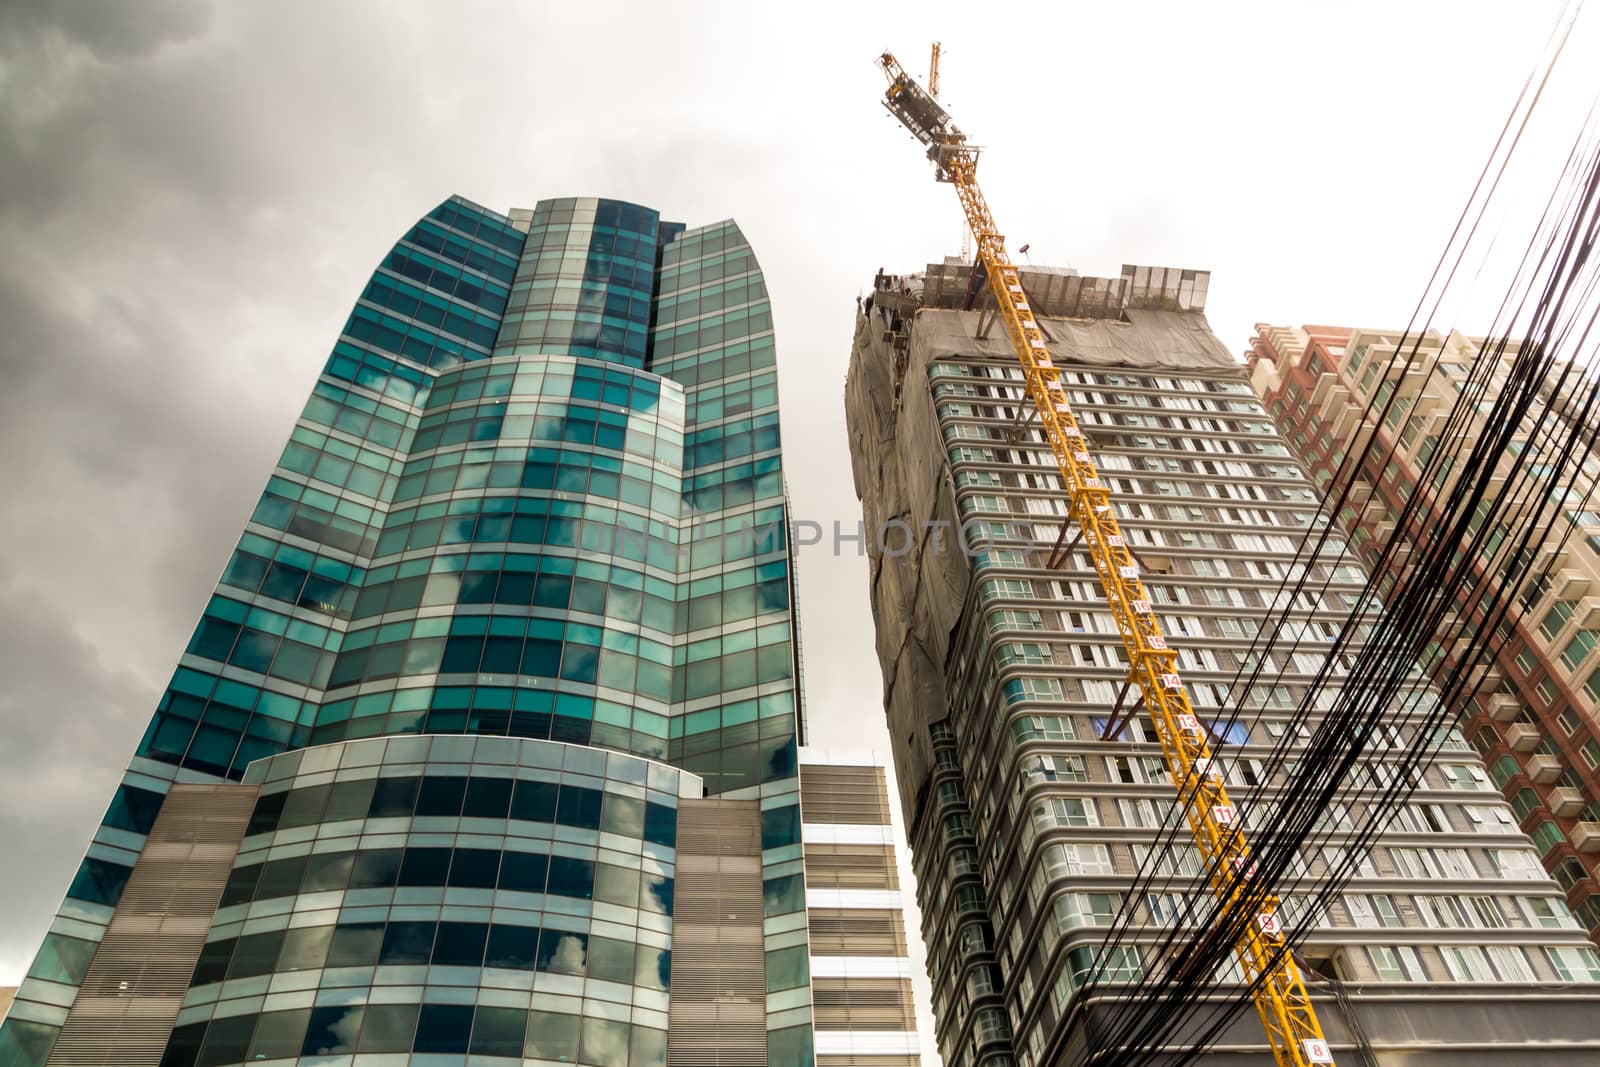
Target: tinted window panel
534, 801
388, 1027
441, 796
332, 1031
460, 944
393, 798
377, 869
443, 1028
513, 947
425, 866
355, 945
488, 798
407, 943
524, 871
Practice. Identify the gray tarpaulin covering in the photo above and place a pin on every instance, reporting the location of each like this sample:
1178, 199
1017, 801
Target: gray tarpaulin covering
1147, 339
902, 474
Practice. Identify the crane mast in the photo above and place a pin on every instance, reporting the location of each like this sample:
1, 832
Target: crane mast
1280, 995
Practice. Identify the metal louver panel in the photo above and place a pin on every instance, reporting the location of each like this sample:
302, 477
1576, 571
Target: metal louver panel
842, 794
856, 932
863, 1004
135, 984
717, 1013
851, 867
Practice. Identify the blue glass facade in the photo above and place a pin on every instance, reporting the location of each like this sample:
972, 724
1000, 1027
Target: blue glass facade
535, 493
487, 896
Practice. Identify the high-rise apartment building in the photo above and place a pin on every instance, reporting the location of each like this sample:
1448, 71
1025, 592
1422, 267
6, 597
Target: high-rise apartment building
1030, 810
486, 744
1533, 713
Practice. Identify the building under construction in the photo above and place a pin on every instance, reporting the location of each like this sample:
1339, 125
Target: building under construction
1036, 794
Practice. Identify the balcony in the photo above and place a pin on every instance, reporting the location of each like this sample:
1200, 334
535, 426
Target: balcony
1544, 769
1523, 737
1585, 837
1564, 802
1570, 585
1323, 389
1483, 677
1501, 707
1345, 420
1588, 613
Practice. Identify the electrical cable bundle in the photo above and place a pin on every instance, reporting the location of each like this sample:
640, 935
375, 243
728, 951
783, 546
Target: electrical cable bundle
1474, 547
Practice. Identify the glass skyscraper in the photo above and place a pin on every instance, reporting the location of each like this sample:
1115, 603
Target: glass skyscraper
499, 685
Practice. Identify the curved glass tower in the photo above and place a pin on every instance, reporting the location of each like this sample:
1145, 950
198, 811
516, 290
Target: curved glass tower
516, 600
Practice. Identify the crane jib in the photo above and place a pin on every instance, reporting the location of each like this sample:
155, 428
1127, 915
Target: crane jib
1280, 996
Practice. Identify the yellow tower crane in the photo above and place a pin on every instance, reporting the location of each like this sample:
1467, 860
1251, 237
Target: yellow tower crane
1281, 999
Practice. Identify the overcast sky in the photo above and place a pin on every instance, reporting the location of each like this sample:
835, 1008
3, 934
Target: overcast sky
192, 195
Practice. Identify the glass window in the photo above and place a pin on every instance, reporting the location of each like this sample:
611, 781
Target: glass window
649, 1048
605, 1043
652, 967
332, 1031
512, 947
425, 866
577, 806
376, 869
350, 800
523, 871
388, 1027
355, 945
460, 944
407, 943
305, 948
534, 801
660, 824
563, 952
611, 960
63, 959
279, 1034
256, 954
443, 1028
787, 969
498, 1032
1575, 964
474, 868
552, 1036
625, 816
227, 1041
393, 798
441, 795
784, 895
487, 798
571, 877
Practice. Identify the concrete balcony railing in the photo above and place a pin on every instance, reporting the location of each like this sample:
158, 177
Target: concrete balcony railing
1569, 585
1523, 737
1345, 420
1483, 676
1564, 802
1585, 837
1324, 389
1543, 768
1501, 707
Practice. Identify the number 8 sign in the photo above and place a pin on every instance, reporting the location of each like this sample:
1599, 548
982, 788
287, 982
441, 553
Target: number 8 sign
1317, 1051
